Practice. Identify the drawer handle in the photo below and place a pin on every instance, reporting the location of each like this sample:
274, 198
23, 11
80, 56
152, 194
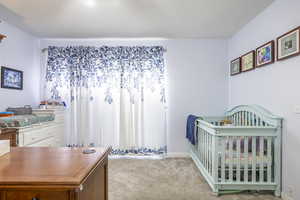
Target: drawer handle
34, 198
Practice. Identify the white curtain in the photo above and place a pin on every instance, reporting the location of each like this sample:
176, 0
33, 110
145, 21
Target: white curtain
43, 64
127, 112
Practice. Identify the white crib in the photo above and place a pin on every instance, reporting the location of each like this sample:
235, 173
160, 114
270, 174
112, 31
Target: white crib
245, 155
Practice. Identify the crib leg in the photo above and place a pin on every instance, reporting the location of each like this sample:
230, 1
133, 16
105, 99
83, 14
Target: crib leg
277, 192
215, 191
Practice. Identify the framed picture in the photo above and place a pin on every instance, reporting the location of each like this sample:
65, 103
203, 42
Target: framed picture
265, 54
248, 61
235, 67
11, 78
288, 44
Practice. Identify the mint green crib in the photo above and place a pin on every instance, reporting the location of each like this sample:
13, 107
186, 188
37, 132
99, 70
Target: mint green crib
245, 155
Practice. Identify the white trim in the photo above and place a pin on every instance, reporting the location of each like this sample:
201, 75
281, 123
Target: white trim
177, 155
285, 196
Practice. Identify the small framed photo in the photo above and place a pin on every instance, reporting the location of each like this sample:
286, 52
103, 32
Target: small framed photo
11, 78
265, 54
235, 67
288, 44
248, 61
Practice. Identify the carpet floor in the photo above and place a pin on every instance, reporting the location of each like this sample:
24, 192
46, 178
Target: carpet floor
166, 179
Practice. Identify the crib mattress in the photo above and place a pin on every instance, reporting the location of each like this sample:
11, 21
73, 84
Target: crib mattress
244, 161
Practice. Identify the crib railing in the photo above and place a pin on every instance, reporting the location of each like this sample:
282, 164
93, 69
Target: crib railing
245, 159
243, 155
237, 156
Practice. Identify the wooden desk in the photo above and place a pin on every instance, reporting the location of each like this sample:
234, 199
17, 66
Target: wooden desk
43, 173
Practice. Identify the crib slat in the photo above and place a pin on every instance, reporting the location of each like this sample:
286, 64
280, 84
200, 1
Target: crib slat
223, 153
199, 141
213, 148
238, 165
269, 149
253, 159
206, 150
215, 165
261, 160
246, 155
241, 113
230, 159
235, 119
202, 146
208, 153
241, 118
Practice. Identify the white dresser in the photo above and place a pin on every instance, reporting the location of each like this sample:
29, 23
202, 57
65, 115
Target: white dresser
47, 134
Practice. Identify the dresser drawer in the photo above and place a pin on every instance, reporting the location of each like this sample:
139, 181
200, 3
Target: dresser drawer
36, 195
37, 135
49, 142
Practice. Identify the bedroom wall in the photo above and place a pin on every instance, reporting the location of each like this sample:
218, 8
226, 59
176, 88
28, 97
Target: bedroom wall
18, 51
197, 79
274, 86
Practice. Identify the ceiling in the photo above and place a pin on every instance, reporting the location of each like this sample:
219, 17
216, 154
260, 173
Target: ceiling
131, 18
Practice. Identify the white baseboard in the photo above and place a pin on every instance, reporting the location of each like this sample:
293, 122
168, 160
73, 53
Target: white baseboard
284, 196
178, 155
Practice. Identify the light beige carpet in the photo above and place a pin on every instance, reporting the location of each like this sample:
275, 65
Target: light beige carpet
167, 179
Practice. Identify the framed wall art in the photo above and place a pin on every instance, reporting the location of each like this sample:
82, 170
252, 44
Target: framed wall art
288, 45
248, 61
265, 54
235, 67
11, 78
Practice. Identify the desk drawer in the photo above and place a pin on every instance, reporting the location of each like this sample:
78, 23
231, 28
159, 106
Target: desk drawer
36, 195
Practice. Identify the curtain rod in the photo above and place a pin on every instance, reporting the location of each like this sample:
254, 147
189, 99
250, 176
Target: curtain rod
46, 49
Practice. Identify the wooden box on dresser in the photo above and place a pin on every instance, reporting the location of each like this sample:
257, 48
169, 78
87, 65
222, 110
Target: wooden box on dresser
47, 134
43, 173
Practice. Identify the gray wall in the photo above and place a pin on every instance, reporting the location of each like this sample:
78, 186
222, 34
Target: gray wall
197, 79
276, 86
18, 51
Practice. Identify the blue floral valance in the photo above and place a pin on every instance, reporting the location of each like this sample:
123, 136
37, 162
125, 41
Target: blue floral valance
132, 68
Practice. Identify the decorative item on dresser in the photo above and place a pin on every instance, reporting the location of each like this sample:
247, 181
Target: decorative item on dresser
58, 174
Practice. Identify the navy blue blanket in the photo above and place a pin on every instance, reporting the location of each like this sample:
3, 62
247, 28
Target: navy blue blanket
190, 129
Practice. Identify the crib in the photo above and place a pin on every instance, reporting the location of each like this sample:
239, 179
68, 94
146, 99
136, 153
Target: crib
243, 155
